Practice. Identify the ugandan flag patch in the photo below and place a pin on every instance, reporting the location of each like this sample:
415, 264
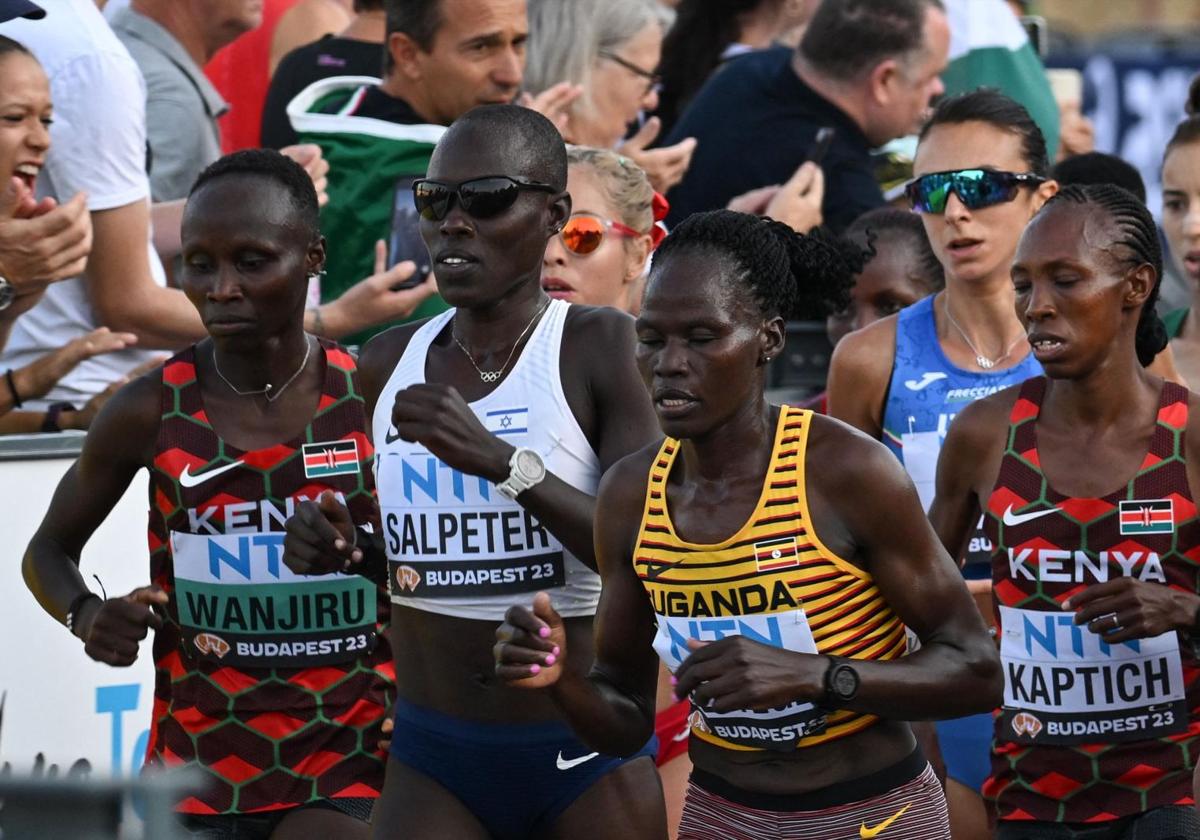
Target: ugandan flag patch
332, 457
1156, 516
779, 553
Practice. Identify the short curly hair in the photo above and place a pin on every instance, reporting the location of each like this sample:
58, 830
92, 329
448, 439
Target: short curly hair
797, 276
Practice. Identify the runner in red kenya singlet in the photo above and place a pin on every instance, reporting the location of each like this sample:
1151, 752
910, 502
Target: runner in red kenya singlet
273, 684
1085, 478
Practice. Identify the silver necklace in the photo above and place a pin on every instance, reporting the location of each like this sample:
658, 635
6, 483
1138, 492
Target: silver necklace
980, 359
494, 375
275, 392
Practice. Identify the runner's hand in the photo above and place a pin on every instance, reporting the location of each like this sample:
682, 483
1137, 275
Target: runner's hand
438, 418
1141, 609
112, 632
531, 645
320, 538
738, 673
665, 167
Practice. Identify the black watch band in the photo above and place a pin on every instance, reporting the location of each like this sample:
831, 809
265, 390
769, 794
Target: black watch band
50, 422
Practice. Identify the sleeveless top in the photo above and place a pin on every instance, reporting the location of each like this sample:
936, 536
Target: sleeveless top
455, 546
772, 581
273, 684
925, 394
1089, 731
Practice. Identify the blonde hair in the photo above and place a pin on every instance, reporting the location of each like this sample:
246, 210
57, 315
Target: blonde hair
566, 38
623, 182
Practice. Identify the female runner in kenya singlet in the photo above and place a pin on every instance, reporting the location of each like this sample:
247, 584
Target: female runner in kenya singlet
1085, 480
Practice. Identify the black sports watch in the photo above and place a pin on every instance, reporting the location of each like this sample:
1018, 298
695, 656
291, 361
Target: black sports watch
841, 683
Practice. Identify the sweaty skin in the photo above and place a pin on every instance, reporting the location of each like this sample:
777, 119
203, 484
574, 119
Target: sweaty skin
699, 336
445, 662
1099, 411
256, 267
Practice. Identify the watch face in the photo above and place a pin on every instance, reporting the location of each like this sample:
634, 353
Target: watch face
845, 682
529, 464
8, 293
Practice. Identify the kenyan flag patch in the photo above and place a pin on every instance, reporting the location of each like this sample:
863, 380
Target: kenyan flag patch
332, 457
1156, 516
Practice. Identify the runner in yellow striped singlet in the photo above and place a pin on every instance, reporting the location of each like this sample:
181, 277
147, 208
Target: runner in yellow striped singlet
772, 558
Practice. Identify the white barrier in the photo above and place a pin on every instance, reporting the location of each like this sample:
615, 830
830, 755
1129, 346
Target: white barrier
59, 702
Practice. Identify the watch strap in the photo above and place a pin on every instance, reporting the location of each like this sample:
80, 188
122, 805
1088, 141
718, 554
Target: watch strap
53, 413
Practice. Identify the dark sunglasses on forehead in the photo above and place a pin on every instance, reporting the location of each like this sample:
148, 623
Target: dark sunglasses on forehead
482, 198
975, 188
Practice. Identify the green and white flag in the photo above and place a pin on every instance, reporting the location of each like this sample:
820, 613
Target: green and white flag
370, 160
989, 48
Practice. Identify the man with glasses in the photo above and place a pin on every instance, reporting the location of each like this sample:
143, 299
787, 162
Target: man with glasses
865, 68
493, 423
440, 59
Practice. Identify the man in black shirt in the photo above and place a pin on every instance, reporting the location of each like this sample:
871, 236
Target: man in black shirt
356, 51
866, 68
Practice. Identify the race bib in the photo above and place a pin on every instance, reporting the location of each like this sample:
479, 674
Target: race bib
1064, 685
920, 452
775, 729
240, 605
452, 535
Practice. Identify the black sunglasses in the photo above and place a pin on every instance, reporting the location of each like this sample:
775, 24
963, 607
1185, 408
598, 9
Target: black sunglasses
483, 197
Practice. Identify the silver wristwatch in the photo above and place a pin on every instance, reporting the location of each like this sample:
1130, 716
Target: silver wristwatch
526, 470
8, 293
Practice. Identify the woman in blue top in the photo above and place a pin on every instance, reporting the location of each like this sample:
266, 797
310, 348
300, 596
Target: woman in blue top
981, 173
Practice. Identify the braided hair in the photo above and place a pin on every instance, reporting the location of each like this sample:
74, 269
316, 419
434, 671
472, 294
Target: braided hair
797, 276
1137, 235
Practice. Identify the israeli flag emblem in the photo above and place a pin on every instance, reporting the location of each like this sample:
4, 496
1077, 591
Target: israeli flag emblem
507, 421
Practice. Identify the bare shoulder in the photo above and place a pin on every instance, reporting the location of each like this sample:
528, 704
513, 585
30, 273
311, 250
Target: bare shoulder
585, 324
381, 354
981, 424
859, 373
845, 458
127, 427
869, 352
625, 481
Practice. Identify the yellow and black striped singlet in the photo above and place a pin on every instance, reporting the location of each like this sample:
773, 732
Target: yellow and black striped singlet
773, 581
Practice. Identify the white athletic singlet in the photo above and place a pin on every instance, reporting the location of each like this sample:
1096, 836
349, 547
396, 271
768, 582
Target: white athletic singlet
455, 546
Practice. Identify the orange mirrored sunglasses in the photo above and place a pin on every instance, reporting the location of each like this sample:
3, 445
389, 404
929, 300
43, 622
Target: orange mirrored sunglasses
583, 233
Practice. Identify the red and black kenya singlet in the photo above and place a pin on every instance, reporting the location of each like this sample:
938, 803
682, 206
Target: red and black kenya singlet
275, 685
1090, 732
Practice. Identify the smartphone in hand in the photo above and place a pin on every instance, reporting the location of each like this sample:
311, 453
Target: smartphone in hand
404, 239
821, 144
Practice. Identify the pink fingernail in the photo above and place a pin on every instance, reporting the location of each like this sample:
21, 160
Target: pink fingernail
544, 632
674, 680
535, 669
550, 660
555, 651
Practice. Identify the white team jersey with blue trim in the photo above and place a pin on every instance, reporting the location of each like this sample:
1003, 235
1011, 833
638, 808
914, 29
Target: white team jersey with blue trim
455, 546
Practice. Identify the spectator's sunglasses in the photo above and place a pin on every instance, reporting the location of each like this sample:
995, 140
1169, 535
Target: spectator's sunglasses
482, 198
975, 188
583, 233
